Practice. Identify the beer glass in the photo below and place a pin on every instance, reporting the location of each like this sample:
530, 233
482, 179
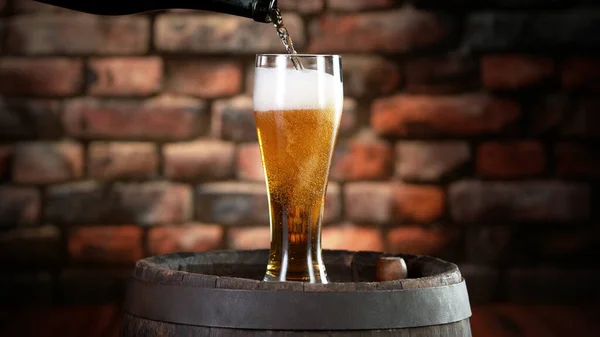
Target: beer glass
297, 112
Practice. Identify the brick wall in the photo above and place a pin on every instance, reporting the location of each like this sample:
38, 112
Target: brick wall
467, 134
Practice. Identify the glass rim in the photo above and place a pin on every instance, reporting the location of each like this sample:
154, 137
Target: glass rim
299, 55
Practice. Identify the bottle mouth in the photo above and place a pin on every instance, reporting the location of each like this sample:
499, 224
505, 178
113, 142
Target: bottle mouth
261, 10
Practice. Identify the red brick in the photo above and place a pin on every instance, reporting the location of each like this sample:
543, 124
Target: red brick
199, 160
354, 238
151, 203
575, 160
581, 73
106, 244
164, 118
418, 203
451, 73
514, 159
567, 115
232, 203
304, 7
363, 159
77, 34
206, 79
357, 5
473, 201
30, 119
420, 240
221, 34
468, 114
369, 76
57, 76
512, 72
19, 205
483, 283
369, 202
188, 238
249, 163
430, 161
391, 31
249, 238
233, 119
123, 160
30, 246
135, 76
2, 5
44, 163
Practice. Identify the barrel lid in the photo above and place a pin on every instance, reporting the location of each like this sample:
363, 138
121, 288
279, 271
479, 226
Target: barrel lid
164, 289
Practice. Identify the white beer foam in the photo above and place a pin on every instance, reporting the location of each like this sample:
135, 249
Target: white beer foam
290, 89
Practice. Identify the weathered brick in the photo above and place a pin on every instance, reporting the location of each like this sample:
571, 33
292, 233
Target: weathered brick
357, 5
354, 238
419, 240
249, 163
468, 114
122, 160
56, 76
5, 158
77, 34
221, 34
430, 161
333, 204
367, 76
105, 244
368, 202
349, 116
510, 72
539, 201
567, 115
187, 238
124, 203
233, 119
26, 288
205, 79
490, 245
249, 238
135, 76
577, 246
199, 160
31, 246
574, 160
29, 119
232, 203
483, 283
572, 29
304, 7
581, 73
45, 163
19, 205
401, 30
512, 159
549, 285
162, 118
444, 74
500, 4
362, 158
417, 203
93, 286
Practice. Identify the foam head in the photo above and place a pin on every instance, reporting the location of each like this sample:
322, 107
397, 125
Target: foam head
290, 89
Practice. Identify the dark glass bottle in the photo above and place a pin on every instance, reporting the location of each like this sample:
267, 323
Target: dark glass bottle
255, 9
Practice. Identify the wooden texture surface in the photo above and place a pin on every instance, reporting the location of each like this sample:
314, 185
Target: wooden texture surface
487, 321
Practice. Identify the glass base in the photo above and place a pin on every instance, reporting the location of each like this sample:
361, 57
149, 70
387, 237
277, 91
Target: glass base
319, 276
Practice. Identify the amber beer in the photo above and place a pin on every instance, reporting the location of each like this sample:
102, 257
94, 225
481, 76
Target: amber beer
297, 126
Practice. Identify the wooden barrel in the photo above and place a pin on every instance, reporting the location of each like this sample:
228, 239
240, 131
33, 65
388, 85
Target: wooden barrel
220, 294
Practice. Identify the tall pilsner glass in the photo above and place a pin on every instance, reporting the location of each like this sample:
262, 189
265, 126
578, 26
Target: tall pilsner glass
297, 114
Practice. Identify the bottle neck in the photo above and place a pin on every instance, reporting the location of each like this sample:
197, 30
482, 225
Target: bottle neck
255, 9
